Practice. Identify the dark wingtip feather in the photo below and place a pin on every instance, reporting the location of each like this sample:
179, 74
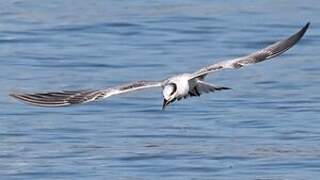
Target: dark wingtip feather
277, 48
307, 25
286, 44
303, 30
298, 35
40, 100
56, 99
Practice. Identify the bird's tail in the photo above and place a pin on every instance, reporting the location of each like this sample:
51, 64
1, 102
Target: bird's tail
219, 88
207, 87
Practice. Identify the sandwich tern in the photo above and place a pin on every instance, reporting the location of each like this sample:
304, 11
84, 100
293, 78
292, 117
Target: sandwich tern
174, 88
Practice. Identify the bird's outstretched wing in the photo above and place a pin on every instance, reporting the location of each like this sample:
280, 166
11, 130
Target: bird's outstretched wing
66, 98
267, 53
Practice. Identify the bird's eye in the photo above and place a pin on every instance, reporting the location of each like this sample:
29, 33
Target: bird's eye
174, 86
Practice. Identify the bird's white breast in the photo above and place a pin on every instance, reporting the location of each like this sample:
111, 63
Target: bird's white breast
183, 83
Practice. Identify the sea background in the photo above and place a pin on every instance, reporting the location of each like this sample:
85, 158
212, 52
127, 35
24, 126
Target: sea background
266, 127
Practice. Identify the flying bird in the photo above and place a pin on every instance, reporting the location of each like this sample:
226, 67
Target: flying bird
174, 88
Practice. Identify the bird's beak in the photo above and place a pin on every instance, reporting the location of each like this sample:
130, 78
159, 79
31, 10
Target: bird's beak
165, 103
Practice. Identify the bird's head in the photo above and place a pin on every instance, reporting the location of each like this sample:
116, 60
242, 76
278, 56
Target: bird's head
169, 94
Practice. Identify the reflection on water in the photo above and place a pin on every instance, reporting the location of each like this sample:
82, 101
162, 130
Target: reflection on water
267, 127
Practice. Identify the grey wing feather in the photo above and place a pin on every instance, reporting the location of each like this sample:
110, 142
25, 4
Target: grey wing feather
67, 98
56, 99
267, 53
137, 86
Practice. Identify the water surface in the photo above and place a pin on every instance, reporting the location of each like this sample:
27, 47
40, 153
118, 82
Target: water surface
267, 127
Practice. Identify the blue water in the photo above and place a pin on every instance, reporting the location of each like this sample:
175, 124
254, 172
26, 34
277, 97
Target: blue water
266, 127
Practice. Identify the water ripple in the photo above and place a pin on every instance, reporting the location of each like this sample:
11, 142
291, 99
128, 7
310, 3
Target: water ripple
266, 127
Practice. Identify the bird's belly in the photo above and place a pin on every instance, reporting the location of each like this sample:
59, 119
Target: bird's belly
183, 84
186, 86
